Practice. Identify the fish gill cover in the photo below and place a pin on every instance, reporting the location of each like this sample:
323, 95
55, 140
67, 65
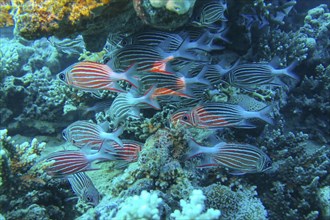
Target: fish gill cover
164, 109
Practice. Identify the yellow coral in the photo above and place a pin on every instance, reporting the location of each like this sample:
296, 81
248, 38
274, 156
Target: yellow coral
5, 17
51, 11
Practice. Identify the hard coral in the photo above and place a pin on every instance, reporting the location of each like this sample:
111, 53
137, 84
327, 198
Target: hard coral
5, 17
44, 16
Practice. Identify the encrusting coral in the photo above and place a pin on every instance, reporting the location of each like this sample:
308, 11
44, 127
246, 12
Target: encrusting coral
5, 16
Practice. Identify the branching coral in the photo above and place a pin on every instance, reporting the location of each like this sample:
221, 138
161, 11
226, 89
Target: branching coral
17, 159
144, 206
194, 208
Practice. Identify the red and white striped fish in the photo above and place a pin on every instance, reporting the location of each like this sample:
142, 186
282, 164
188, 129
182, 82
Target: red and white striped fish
91, 76
71, 162
238, 158
64, 163
129, 152
218, 115
169, 83
82, 133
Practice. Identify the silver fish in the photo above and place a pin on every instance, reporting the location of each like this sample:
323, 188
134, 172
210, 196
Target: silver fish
129, 104
209, 12
253, 75
82, 133
238, 158
216, 115
67, 45
84, 188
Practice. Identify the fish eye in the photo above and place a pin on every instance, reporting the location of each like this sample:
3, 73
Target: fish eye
124, 42
268, 164
185, 118
61, 76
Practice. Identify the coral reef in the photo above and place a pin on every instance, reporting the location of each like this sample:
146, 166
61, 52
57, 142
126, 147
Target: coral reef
308, 41
242, 204
144, 206
37, 197
163, 183
35, 19
5, 17
17, 159
164, 14
194, 208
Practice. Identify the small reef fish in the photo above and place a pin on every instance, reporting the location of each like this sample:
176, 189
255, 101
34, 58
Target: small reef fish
252, 76
155, 38
67, 162
68, 46
145, 55
82, 133
209, 12
216, 115
91, 76
238, 158
129, 152
129, 104
84, 188
173, 83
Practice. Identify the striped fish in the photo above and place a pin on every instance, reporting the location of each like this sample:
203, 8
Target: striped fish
64, 163
82, 133
238, 158
129, 104
252, 76
84, 188
209, 12
67, 162
174, 83
92, 76
155, 38
219, 115
71, 47
129, 152
145, 55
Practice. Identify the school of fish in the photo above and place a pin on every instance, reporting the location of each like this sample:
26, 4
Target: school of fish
153, 68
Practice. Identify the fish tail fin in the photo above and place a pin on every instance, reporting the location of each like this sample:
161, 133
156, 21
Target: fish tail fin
116, 135
115, 87
288, 70
107, 151
130, 75
113, 136
264, 114
185, 52
205, 42
149, 98
194, 148
200, 78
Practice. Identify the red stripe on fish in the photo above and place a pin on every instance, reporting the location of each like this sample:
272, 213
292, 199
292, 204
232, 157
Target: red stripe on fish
129, 152
67, 162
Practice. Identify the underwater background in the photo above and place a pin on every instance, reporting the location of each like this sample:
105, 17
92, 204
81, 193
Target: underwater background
164, 109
